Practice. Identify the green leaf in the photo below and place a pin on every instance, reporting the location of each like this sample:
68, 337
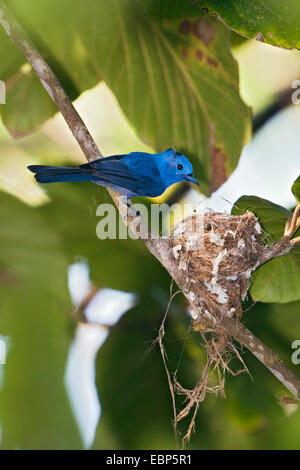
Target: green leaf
274, 22
296, 189
176, 81
36, 316
278, 280
170, 8
11, 57
26, 89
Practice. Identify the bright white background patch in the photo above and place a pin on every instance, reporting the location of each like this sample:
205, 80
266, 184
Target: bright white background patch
104, 310
262, 170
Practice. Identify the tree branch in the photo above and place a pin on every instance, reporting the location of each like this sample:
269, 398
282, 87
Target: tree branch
268, 357
159, 247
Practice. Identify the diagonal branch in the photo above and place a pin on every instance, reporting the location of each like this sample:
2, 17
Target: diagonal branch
159, 247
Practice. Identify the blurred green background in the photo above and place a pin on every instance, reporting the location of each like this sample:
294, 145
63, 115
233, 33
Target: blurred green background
137, 86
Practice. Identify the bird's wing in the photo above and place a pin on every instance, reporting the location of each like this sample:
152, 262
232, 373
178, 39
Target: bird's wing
132, 172
112, 171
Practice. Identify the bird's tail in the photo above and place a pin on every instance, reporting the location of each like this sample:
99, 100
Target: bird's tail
56, 174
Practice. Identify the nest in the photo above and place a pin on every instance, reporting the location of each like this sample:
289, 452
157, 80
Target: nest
216, 254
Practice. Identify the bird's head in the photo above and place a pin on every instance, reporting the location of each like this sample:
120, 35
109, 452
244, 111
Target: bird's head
177, 167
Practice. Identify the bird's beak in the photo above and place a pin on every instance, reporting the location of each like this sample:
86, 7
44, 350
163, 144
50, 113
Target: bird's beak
191, 179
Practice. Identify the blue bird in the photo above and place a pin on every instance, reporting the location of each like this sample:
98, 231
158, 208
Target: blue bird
134, 174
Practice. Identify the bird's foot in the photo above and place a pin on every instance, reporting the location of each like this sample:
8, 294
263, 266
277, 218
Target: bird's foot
132, 212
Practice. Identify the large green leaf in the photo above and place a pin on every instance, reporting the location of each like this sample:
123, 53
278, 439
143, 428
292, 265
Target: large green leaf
278, 280
176, 81
11, 57
272, 21
25, 91
36, 315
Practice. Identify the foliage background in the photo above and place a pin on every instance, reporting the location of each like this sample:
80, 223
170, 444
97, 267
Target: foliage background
152, 82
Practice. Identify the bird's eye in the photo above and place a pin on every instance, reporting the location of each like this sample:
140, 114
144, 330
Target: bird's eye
179, 166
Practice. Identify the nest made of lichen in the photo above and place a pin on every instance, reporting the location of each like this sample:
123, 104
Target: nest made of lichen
216, 254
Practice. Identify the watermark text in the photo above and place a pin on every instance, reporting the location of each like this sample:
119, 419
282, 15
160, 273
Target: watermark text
162, 219
2, 92
296, 353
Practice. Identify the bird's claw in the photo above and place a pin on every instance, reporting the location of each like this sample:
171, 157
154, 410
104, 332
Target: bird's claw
132, 212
